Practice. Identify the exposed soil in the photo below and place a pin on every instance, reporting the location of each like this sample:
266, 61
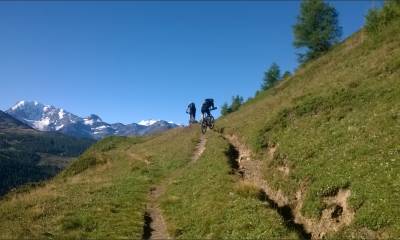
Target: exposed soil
271, 150
335, 216
201, 146
154, 227
284, 169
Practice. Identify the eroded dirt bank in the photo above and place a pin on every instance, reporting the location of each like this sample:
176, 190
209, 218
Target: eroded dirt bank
335, 216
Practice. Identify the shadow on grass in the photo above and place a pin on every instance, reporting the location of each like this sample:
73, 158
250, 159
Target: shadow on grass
147, 230
233, 155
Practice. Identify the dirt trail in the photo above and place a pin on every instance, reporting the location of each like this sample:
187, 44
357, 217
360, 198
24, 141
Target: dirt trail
201, 146
155, 226
335, 216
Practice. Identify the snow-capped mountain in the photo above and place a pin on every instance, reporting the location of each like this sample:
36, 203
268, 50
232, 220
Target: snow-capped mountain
148, 122
42, 117
50, 118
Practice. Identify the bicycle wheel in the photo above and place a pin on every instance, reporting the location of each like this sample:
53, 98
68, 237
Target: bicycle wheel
211, 122
203, 127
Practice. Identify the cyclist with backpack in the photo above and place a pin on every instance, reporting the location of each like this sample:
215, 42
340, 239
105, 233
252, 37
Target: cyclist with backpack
207, 119
207, 106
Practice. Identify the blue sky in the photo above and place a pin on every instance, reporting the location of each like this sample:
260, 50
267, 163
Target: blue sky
127, 61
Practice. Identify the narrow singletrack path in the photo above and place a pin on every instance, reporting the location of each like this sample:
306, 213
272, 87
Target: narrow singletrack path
201, 146
155, 227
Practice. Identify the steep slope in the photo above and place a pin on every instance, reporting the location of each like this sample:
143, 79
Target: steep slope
331, 129
27, 155
8, 122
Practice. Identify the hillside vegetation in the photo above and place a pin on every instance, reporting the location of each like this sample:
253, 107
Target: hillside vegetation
316, 156
28, 156
209, 201
103, 194
334, 125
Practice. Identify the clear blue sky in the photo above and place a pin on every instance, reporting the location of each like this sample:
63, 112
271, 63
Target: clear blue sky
128, 61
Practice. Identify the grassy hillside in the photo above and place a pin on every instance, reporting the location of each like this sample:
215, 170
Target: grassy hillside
334, 125
102, 194
208, 201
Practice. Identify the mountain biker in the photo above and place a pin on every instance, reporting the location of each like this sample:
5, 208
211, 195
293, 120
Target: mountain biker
191, 110
207, 106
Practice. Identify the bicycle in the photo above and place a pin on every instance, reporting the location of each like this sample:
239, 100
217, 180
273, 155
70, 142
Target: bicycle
207, 121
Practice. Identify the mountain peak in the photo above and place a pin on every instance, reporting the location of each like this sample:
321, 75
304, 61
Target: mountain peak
148, 122
94, 117
91, 119
18, 105
40, 116
23, 103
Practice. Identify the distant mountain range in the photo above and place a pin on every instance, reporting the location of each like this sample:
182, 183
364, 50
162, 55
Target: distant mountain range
49, 118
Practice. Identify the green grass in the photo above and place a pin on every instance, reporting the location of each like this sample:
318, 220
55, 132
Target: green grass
207, 202
336, 123
100, 153
104, 198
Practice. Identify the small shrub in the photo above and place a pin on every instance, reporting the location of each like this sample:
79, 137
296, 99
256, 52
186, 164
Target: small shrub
378, 19
237, 102
79, 222
372, 21
71, 223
